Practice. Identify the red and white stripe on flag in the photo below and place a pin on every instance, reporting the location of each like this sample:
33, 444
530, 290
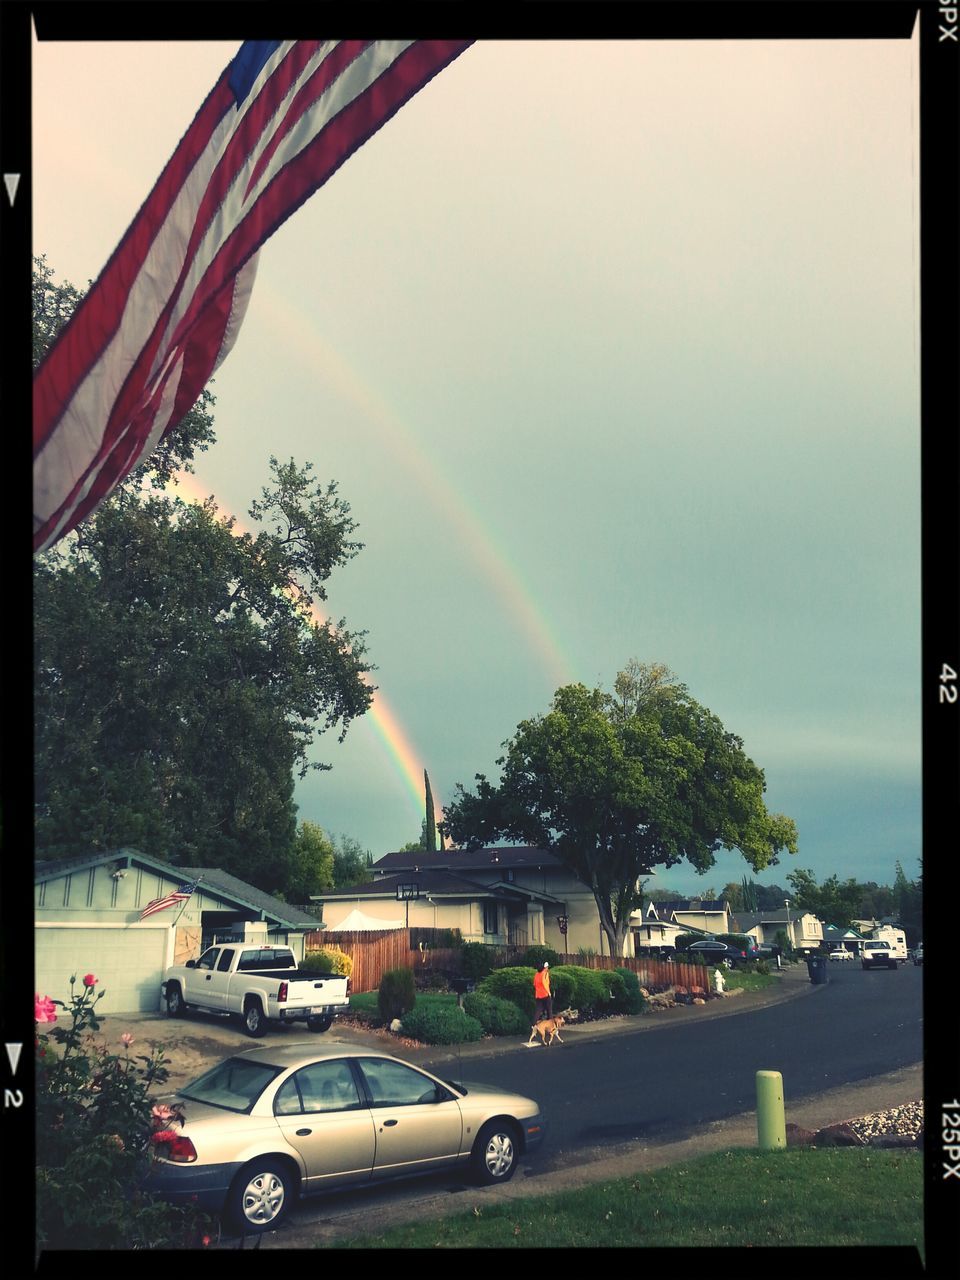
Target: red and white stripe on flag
181, 894
165, 311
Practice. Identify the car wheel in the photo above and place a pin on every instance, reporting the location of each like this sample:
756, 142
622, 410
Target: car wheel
175, 1003
260, 1196
495, 1152
319, 1024
254, 1023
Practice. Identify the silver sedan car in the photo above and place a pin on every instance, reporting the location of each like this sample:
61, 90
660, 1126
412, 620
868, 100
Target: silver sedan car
267, 1125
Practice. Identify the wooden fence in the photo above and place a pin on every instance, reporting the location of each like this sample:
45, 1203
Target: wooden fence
375, 952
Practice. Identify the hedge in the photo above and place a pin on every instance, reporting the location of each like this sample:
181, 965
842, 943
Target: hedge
439, 1024
397, 994
498, 1017
514, 984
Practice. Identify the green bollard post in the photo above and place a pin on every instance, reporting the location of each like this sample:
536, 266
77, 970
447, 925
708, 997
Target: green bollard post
771, 1126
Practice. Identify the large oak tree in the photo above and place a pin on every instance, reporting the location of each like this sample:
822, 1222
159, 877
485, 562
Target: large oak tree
619, 784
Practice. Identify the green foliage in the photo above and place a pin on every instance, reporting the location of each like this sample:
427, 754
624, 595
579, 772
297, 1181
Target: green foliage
328, 960
98, 1128
683, 940
351, 862
737, 940
311, 868
477, 959
580, 988
515, 984
440, 1024
180, 679
633, 999
397, 994
614, 784
497, 1017
538, 954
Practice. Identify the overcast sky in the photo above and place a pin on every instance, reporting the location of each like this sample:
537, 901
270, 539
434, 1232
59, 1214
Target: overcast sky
619, 361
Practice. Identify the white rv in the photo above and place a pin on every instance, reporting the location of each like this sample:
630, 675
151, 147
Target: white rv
896, 938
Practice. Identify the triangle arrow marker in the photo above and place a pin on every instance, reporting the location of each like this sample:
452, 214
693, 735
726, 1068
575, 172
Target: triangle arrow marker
11, 181
13, 1055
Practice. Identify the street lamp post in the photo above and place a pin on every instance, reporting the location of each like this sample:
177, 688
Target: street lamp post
786, 903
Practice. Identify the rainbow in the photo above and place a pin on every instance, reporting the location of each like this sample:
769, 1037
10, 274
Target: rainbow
401, 751
424, 471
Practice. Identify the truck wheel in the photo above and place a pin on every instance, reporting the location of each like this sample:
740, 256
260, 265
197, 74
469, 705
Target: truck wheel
175, 1005
254, 1023
260, 1196
319, 1023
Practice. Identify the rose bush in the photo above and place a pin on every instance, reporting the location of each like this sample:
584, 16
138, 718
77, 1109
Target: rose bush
98, 1128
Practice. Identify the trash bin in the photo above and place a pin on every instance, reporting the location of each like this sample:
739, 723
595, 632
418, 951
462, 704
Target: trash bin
817, 968
461, 986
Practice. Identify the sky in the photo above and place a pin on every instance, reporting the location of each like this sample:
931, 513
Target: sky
620, 361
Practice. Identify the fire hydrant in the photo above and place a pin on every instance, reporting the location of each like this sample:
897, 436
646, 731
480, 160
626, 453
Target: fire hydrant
718, 983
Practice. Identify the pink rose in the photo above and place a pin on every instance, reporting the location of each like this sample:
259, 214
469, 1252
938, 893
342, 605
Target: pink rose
126, 1039
44, 1009
89, 980
163, 1135
162, 1112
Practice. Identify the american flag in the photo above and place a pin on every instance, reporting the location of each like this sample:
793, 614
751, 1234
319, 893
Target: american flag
180, 894
166, 309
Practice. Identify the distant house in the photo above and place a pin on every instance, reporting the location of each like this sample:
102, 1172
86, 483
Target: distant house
87, 920
683, 915
803, 928
506, 896
849, 939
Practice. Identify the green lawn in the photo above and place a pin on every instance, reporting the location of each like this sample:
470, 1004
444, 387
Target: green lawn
800, 1196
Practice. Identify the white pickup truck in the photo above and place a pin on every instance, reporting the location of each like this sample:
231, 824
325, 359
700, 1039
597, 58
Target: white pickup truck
256, 983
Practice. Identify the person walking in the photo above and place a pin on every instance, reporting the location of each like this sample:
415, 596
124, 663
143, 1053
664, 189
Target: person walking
542, 992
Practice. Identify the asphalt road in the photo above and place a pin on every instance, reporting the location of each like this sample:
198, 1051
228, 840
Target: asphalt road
672, 1082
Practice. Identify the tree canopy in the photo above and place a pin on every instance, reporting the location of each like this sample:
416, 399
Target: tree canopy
180, 677
618, 784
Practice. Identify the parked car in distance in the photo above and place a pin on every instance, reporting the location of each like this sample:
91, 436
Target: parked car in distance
265, 1126
841, 953
877, 955
918, 954
716, 952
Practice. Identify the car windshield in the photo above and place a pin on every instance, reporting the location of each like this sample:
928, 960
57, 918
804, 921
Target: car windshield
234, 1085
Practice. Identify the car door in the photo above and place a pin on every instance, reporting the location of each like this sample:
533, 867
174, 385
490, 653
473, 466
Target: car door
417, 1121
198, 980
322, 1115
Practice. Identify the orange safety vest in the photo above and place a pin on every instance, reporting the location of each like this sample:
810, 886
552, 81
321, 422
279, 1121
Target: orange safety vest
541, 984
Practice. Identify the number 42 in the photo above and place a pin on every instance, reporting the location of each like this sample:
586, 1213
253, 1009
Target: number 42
948, 687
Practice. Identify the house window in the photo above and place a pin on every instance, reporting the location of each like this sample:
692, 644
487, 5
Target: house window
510, 875
490, 920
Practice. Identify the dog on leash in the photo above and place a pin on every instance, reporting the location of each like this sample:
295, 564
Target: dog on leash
548, 1029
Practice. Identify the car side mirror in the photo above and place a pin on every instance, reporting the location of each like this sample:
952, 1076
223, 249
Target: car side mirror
191, 964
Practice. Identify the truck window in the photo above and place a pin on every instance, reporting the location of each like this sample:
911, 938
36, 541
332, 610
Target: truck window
209, 958
267, 958
226, 959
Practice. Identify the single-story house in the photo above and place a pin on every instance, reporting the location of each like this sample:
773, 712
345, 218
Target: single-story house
87, 920
514, 896
849, 939
803, 928
650, 931
689, 915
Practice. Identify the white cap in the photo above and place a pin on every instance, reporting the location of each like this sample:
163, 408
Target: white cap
546, 964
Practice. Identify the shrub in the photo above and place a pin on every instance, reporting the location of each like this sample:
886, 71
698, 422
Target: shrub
516, 985
438, 1024
537, 954
497, 1017
580, 988
98, 1128
397, 994
612, 979
329, 960
633, 1000
477, 960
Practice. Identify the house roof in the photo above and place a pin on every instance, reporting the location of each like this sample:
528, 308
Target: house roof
220, 882
458, 860
438, 884
691, 904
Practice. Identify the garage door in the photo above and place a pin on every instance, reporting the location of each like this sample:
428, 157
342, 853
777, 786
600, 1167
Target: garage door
128, 965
